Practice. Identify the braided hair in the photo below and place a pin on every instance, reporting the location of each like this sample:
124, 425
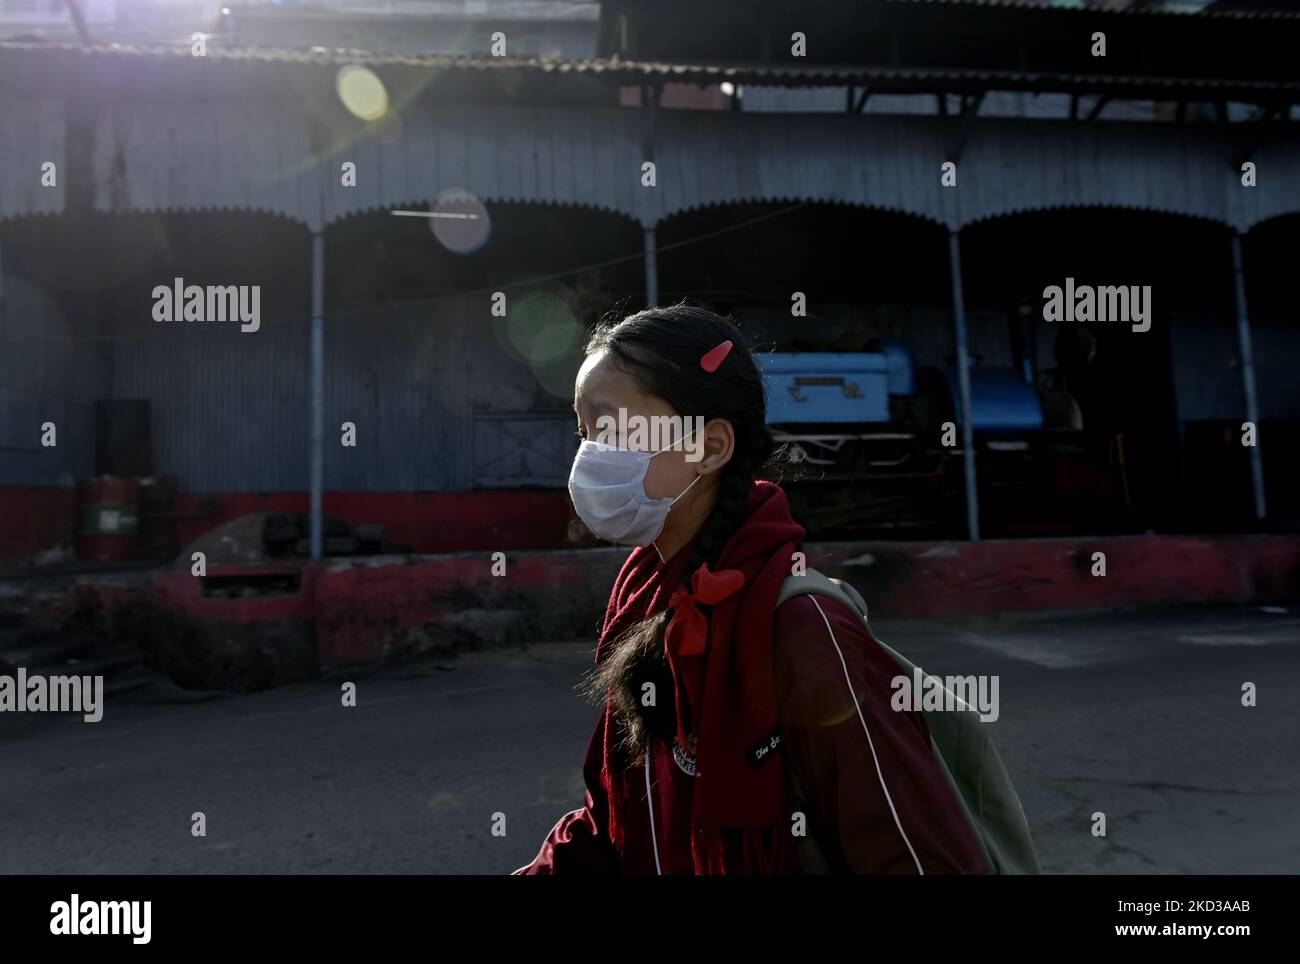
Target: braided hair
661, 348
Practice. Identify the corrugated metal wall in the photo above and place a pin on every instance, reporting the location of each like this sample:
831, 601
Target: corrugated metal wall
31, 134
46, 374
230, 410
187, 157
438, 404
257, 156
438, 400
402, 378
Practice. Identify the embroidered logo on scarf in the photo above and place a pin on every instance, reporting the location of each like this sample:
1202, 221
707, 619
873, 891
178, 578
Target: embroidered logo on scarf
764, 749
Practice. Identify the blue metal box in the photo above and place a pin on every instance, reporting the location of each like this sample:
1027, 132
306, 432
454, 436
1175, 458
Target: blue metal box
811, 387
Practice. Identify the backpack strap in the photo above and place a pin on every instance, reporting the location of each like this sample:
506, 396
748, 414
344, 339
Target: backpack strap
814, 582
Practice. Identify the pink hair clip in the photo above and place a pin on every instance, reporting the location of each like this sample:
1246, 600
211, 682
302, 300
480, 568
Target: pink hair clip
711, 359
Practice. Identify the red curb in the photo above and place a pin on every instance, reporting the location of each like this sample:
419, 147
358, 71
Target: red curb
361, 610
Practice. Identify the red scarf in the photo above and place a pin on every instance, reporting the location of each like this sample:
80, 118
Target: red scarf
729, 683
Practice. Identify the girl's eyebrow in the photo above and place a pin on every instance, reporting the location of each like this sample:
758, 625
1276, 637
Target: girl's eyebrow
595, 405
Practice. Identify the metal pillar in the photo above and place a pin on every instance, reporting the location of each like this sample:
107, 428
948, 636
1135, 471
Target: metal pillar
1248, 375
651, 270
963, 379
317, 389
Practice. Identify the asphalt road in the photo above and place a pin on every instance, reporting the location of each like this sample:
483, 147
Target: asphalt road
1135, 714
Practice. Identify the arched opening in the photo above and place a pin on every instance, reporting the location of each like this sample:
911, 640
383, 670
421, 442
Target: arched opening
846, 306
455, 359
1141, 346
1268, 260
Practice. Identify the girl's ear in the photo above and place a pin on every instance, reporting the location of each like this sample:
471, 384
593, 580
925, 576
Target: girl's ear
719, 445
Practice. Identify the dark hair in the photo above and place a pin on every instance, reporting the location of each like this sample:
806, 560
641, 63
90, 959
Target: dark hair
660, 348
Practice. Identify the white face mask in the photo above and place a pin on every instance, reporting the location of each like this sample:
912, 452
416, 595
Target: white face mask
608, 492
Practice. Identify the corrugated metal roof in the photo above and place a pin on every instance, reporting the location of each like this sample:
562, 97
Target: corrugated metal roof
878, 78
1092, 9
581, 11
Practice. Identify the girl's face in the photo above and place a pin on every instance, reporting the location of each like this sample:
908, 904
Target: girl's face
602, 389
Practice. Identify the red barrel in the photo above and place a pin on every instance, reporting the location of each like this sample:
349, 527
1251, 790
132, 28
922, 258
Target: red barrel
109, 511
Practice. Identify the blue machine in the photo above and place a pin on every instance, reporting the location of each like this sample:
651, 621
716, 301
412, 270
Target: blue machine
872, 437
868, 410
827, 387
1000, 401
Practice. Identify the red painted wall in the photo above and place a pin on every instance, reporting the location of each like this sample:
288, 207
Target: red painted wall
1011, 575
427, 521
33, 520
37, 519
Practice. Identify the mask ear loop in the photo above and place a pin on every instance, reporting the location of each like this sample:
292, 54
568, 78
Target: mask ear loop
685, 490
670, 446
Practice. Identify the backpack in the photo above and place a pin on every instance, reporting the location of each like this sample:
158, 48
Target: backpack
966, 754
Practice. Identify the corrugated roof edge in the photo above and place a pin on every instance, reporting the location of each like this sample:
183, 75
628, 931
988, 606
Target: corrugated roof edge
819, 75
1094, 10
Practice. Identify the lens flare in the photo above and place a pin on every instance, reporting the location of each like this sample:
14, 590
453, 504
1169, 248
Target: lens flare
542, 327
460, 221
362, 92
